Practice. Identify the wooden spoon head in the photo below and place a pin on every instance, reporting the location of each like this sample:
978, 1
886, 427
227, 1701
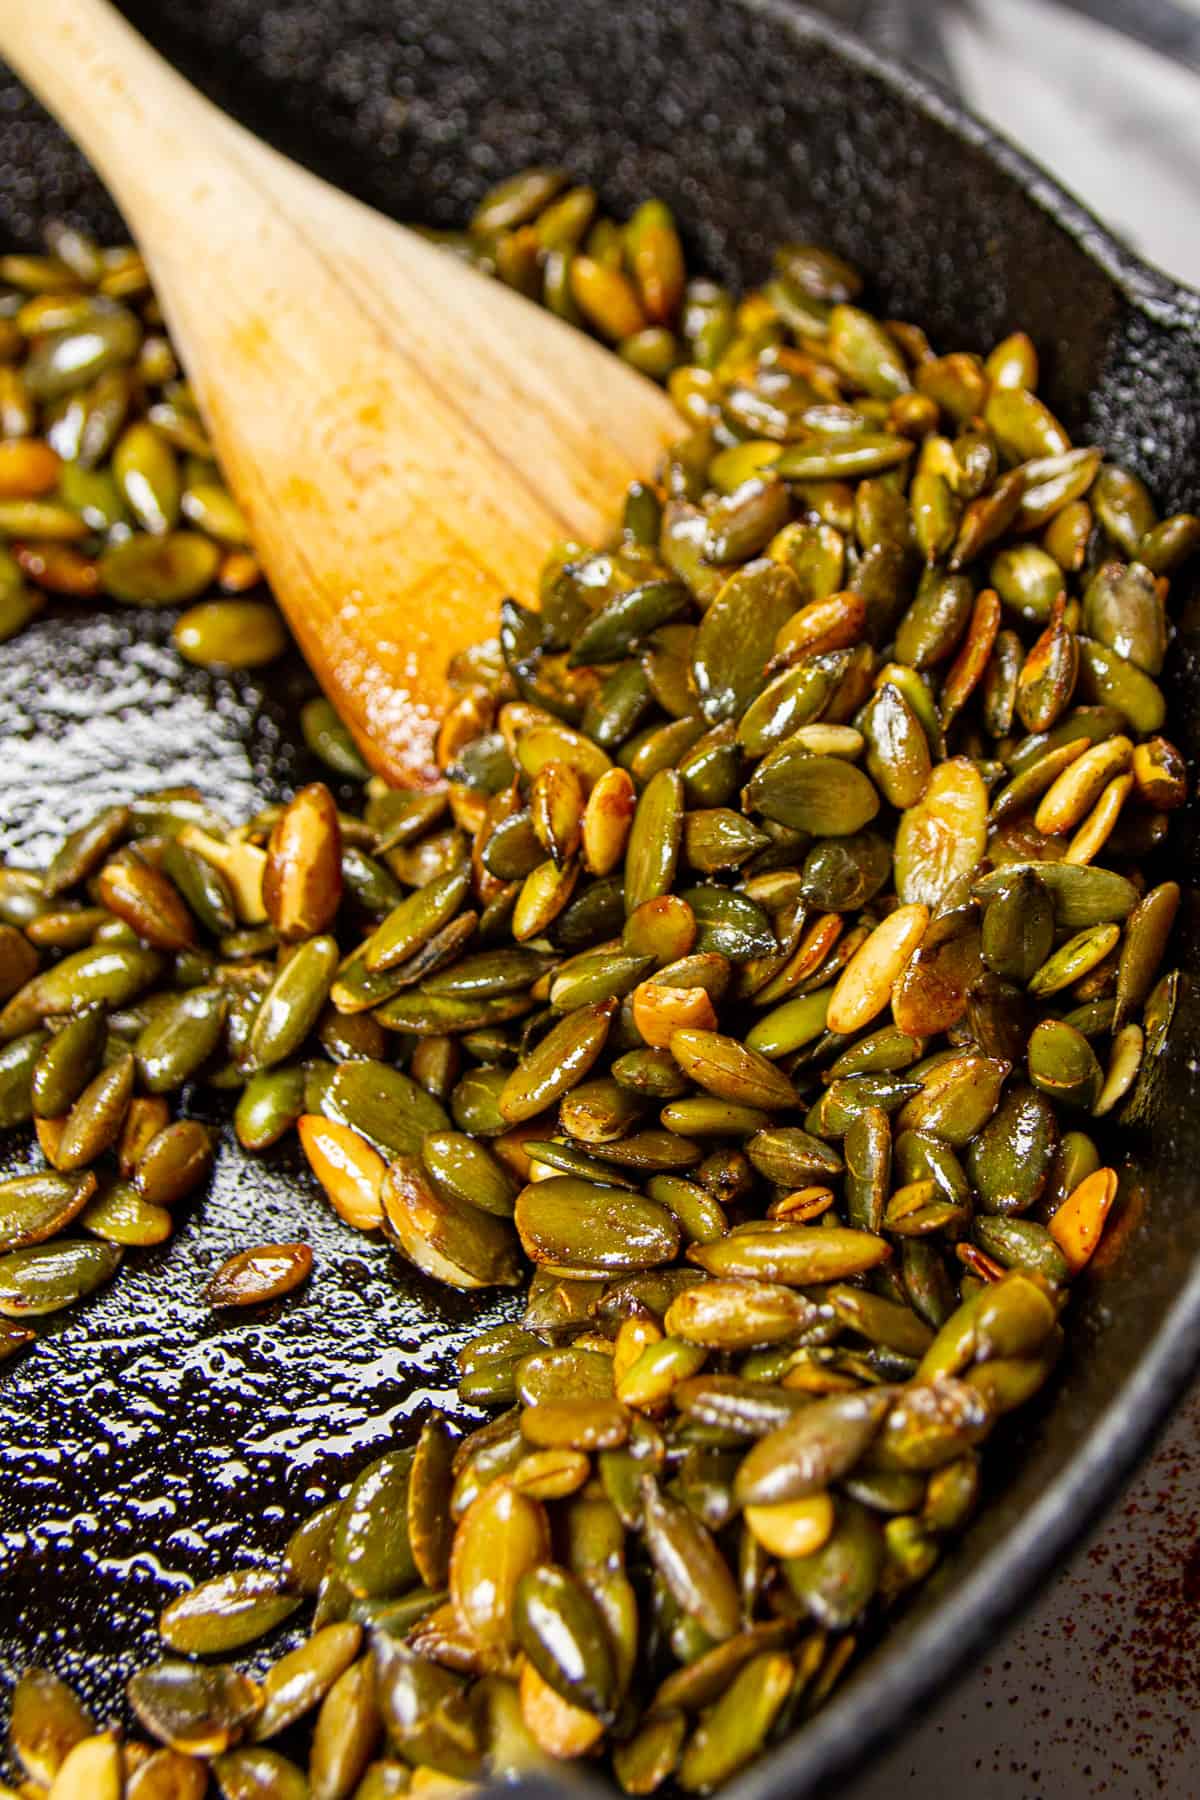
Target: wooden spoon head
408, 439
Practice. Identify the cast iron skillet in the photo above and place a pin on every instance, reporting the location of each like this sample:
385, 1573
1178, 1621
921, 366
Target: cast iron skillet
145, 1443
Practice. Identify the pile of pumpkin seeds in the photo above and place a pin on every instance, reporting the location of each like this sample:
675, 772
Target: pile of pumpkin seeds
760, 991
108, 486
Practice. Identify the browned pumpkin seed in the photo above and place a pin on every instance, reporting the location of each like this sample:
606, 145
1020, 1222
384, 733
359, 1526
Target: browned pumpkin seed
502, 1535
346, 1733
251, 1773
194, 1708
167, 1775
302, 1678
302, 880
453, 1242
252, 1277
173, 1162
46, 1721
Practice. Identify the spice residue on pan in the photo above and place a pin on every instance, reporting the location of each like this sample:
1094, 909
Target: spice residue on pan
1098, 1690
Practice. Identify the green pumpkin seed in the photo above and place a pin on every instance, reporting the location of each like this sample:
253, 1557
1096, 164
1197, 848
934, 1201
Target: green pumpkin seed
736, 637
45, 1723
111, 975
423, 1710
612, 632
1122, 610
293, 1002
268, 1106
370, 1546
109, 338
836, 1582
728, 924
383, 1105
1075, 958
819, 794
1018, 928
1022, 1244
231, 634
579, 1225
43, 1278
793, 1255
689, 1562
95, 1119
469, 1172
179, 1039
36, 1207
1063, 1064
934, 623
791, 1157
897, 749
146, 570
562, 1059
731, 1071
328, 738
1082, 893
654, 840
68, 1062
1010, 1160
813, 1450
562, 1631
1169, 544
736, 1728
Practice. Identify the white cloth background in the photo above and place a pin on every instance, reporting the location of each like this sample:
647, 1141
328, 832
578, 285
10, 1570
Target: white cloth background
1117, 123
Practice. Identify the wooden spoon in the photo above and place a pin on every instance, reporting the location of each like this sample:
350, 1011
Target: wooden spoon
406, 437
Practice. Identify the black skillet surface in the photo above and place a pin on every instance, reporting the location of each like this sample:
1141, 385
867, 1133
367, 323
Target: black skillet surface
145, 1444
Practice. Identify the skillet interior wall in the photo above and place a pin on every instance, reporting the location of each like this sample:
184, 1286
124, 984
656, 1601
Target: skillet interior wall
754, 134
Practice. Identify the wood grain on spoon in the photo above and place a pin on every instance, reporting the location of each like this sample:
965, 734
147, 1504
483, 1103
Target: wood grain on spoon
406, 437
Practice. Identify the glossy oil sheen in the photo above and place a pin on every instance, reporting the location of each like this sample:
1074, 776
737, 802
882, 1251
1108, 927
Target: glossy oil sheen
145, 1425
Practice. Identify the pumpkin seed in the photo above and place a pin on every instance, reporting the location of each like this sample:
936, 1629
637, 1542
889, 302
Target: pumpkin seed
252, 1277
36, 1207
941, 838
94, 1121
561, 1060
823, 795
249, 1773
688, 1560
566, 1223
227, 1612
43, 1278
179, 1038
736, 637
455, 1243
794, 1255
346, 1732
46, 1722
194, 1708
812, 1450
293, 1002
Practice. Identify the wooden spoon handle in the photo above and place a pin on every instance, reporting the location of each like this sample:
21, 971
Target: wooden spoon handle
406, 437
